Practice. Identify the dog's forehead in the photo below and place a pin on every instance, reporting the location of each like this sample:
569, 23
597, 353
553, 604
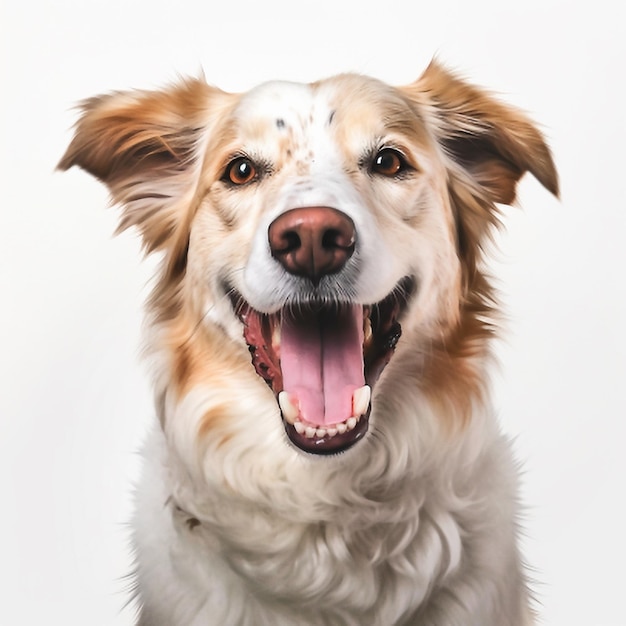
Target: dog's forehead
285, 107
288, 101
302, 121
304, 106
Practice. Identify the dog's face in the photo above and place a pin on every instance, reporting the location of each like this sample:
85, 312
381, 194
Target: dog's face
325, 212
324, 227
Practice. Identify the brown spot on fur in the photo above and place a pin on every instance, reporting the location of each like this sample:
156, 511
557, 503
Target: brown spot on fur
203, 356
453, 375
193, 348
192, 357
209, 426
183, 366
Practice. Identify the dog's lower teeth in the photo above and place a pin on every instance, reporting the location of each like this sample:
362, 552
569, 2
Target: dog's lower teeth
311, 430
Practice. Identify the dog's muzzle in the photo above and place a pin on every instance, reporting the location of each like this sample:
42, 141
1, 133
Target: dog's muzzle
321, 357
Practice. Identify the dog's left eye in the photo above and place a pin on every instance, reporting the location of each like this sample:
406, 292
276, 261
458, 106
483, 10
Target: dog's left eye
240, 171
389, 162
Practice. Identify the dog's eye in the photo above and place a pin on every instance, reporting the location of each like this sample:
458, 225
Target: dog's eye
240, 171
389, 162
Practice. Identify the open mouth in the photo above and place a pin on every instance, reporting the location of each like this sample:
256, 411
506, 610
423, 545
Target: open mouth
322, 361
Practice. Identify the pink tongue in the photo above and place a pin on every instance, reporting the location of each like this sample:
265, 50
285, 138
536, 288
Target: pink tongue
321, 355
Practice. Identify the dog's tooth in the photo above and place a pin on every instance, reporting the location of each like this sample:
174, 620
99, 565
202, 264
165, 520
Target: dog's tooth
341, 428
290, 411
351, 423
361, 401
309, 432
332, 431
320, 432
299, 426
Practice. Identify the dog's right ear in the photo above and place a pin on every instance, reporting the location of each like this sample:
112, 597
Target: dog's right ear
147, 147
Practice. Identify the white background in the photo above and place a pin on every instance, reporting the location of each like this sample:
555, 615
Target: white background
74, 399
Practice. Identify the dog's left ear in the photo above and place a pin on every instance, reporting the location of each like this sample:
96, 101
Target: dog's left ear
495, 143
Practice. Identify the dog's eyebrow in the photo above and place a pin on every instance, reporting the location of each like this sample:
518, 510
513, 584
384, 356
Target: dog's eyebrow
331, 117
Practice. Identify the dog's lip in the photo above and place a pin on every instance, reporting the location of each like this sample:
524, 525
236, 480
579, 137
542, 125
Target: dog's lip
379, 345
325, 445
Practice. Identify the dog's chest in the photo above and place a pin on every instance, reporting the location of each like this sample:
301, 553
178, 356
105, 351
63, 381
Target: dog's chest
343, 564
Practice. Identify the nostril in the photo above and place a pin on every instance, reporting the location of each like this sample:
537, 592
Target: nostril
289, 241
333, 238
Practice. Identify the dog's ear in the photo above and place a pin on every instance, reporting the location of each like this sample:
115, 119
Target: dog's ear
147, 147
495, 143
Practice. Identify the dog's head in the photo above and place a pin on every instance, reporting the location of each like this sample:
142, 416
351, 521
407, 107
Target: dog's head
327, 226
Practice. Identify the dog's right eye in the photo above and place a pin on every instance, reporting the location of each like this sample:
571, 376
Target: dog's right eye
389, 162
240, 171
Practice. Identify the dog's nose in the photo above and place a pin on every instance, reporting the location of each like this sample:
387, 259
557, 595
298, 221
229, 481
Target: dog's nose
312, 241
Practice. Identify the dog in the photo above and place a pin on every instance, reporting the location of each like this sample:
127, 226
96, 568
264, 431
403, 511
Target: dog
319, 333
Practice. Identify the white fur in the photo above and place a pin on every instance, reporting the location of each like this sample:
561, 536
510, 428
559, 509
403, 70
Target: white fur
293, 540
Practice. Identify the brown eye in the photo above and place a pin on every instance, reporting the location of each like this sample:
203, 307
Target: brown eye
388, 162
240, 171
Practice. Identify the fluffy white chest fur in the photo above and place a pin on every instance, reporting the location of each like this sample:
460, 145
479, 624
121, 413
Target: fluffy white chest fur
319, 329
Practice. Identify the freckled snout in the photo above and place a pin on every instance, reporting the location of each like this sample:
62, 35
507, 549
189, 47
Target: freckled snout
313, 241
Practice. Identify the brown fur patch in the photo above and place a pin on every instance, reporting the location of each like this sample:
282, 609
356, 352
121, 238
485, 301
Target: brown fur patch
453, 373
147, 146
495, 142
193, 358
202, 357
209, 423
122, 133
490, 146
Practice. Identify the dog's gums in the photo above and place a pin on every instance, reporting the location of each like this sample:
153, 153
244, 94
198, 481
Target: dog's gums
325, 398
